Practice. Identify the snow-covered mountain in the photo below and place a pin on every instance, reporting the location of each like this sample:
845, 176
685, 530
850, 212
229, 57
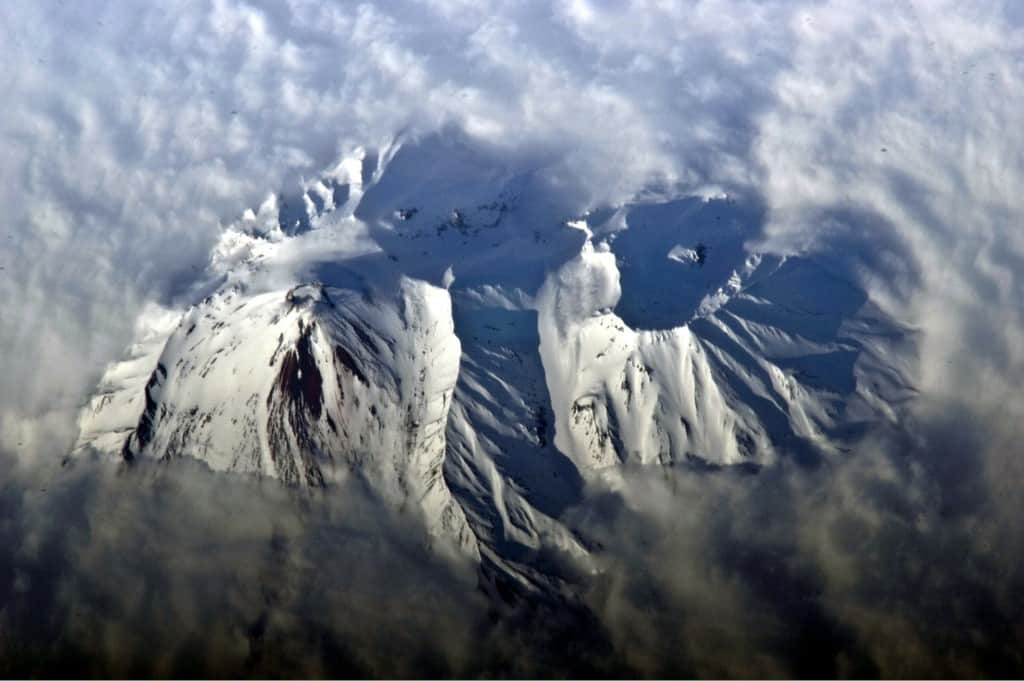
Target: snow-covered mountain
449, 328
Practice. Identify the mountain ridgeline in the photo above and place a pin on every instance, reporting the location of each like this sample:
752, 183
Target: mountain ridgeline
450, 331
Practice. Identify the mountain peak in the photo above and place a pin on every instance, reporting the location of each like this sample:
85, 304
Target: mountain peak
349, 348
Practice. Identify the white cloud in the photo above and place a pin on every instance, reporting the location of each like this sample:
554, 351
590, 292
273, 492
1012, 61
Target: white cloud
885, 135
130, 135
898, 122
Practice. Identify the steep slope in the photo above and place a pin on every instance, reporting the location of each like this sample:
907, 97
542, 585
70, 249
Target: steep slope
308, 385
622, 395
762, 368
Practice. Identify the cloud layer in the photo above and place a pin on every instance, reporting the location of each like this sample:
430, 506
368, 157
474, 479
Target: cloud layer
884, 136
130, 136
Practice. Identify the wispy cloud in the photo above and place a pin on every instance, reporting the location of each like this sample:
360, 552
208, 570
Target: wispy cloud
884, 136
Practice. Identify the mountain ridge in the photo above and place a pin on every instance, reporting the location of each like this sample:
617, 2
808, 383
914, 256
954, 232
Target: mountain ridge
426, 323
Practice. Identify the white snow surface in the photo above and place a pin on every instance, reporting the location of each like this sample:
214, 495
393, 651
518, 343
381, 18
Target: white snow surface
444, 326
